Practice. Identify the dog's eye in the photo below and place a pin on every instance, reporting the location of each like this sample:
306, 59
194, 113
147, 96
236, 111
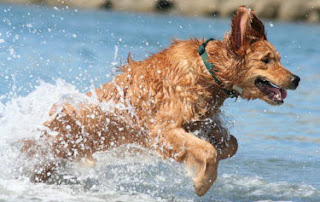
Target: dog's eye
266, 60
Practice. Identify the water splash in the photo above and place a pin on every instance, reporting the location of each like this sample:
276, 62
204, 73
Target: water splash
128, 172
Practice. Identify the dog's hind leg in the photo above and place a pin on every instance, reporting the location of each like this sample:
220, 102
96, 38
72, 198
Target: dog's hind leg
40, 152
65, 144
199, 155
76, 130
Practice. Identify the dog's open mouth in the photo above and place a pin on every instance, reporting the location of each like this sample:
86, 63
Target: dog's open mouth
273, 92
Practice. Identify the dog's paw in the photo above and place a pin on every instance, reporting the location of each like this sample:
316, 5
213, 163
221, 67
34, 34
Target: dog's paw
203, 183
206, 173
200, 188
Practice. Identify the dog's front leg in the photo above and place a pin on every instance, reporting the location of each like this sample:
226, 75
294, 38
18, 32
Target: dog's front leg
199, 155
226, 146
225, 143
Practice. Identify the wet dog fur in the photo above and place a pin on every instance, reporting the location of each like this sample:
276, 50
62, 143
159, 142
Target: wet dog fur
172, 95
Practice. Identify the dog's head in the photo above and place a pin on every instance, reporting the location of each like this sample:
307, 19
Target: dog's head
261, 75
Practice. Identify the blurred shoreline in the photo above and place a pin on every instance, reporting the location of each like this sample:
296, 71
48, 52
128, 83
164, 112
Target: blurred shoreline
286, 10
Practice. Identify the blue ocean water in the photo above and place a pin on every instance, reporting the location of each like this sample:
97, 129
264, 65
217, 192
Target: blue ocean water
47, 52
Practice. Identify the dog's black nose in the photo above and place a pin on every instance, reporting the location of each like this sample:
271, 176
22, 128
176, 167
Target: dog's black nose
295, 81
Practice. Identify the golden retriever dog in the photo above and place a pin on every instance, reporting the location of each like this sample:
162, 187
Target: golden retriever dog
170, 103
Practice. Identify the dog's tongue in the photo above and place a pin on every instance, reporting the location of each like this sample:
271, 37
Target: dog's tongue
281, 93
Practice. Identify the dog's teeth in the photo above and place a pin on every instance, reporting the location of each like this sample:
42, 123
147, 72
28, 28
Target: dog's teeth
273, 85
277, 97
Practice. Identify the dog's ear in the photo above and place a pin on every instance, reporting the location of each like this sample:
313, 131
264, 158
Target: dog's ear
256, 31
246, 28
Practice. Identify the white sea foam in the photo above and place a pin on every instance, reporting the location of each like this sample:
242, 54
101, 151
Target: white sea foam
257, 187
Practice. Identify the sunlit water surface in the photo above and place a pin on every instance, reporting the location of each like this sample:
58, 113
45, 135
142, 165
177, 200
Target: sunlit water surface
47, 53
